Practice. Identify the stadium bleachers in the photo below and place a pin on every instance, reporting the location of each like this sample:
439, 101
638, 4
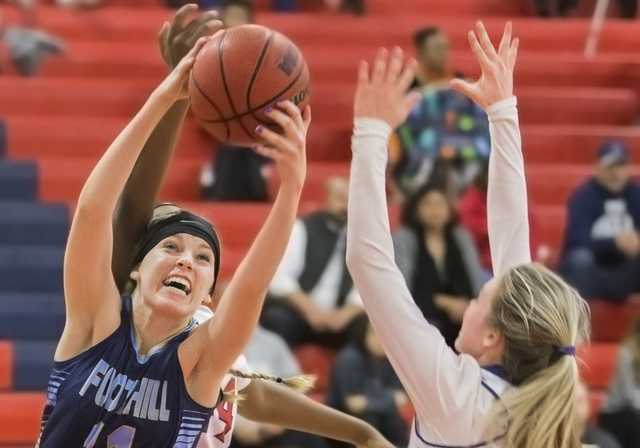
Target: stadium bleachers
58, 125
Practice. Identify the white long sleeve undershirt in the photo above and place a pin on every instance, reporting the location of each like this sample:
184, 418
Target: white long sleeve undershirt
451, 393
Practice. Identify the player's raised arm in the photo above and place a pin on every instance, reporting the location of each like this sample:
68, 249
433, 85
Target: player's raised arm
430, 371
136, 203
507, 193
91, 296
207, 355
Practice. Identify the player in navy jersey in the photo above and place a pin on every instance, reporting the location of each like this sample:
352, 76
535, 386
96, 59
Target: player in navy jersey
135, 371
263, 400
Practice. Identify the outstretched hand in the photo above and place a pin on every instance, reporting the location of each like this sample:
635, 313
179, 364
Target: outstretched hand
176, 39
288, 150
382, 93
496, 82
176, 85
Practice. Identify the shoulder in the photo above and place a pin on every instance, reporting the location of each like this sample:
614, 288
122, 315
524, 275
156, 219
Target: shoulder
265, 337
461, 235
404, 235
633, 189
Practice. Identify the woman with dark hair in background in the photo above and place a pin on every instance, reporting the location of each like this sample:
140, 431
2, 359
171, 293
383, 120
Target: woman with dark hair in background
363, 384
621, 411
438, 260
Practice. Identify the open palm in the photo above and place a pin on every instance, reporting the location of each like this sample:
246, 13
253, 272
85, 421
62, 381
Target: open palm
496, 81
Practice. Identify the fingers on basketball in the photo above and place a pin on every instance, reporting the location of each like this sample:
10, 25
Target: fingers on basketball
292, 112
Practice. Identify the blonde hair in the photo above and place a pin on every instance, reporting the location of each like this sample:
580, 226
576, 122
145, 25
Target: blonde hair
537, 314
298, 383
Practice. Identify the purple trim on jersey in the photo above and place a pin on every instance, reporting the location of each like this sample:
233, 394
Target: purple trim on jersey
497, 370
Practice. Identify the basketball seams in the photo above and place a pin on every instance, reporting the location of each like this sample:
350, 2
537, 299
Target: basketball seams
254, 75
266, 103
210, 101
256, 69
226, 87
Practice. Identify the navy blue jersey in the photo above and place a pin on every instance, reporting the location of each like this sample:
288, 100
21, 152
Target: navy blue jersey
108, 397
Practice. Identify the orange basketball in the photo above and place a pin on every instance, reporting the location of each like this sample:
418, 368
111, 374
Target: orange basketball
238, 74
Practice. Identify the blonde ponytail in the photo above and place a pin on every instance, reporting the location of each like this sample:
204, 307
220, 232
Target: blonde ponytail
298, 383
542, 319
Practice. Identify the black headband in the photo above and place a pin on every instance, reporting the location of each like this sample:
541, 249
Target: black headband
181, 222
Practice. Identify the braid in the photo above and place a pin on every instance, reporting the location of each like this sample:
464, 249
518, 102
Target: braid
298, 383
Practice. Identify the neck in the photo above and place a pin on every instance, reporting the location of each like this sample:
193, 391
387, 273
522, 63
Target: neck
435, 75
489, 359
432, 232
152, 329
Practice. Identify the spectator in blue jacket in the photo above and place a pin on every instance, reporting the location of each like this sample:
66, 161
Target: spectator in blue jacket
601, 255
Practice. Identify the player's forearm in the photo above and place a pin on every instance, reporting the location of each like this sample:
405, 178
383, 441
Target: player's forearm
136, 203
429, 371
507, 192
242, 301
271, 403
106, 182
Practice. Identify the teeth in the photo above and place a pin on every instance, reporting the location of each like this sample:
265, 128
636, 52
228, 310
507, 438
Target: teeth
173, 288
181, 281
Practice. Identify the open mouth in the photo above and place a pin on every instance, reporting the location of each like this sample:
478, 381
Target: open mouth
178, 284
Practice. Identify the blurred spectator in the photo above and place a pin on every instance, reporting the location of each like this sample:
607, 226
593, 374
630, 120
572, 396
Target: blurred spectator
544, 8
357, 7
591, 436
601, 255
236, 12
472, 210
312, 294
431, 47
364, 384
621, 410
236, 174
445, 125
268, 353
438, 259
27, 45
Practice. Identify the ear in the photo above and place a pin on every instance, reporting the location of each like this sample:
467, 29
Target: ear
493, 339
135, 274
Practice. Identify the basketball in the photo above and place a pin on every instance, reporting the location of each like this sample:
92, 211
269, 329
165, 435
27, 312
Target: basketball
238, 74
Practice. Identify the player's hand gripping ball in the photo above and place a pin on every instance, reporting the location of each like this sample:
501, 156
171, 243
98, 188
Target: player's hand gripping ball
238, 74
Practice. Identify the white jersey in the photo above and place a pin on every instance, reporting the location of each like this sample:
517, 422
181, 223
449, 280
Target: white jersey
222, 421
451, 393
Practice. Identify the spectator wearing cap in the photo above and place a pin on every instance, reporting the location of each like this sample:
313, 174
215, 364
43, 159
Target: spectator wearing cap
601, 253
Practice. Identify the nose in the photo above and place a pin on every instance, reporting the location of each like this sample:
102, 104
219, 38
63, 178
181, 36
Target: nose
185, 262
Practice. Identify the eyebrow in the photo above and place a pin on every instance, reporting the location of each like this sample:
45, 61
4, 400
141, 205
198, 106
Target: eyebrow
205, 246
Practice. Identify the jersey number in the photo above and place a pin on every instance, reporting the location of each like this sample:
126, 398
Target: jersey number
120, 438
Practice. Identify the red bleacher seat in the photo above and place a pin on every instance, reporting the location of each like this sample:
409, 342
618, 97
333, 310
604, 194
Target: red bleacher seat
20, 417
598, 364
6, 365
316, 360
610, 322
